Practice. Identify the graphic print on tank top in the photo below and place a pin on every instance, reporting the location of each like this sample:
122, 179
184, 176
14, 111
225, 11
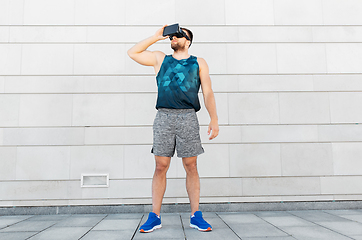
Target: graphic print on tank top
178, 83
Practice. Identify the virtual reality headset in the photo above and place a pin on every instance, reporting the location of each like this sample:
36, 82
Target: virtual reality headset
174, 30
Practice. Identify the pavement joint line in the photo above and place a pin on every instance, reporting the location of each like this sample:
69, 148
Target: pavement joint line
16, 223
41, 231
134, 234
289, 235
93, 227
342, 217
182, 225
229, 226
322, 225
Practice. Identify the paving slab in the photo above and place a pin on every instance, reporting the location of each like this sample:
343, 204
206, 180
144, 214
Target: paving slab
235, 218
166, 232
28, 226
48, 217
271, 238
257, 230
314, 233
347, 228
356, 218
118, 224
168, 220
108, 235
16, 235
61, 233
217, 233
271, 213
80, 221
343, 212
318, 216
124, 216
6, 221
284, 221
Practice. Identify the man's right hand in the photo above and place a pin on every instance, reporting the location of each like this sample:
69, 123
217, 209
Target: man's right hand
159, 34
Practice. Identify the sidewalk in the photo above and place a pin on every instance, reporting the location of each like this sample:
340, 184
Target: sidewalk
266, 225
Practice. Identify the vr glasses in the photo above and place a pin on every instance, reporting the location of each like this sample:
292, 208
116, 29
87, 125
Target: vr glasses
174, 30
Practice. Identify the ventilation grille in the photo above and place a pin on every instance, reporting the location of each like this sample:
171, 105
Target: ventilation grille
95, 180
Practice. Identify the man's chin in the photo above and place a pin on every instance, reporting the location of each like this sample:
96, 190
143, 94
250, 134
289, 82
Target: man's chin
177, 48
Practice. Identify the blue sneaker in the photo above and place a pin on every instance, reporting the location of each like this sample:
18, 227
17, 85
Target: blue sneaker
196, 221
153, 222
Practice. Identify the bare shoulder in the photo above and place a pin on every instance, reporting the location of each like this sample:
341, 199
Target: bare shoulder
202, 63
159, 54
159, 59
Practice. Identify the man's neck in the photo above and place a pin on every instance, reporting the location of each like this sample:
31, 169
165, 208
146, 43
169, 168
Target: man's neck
181, 54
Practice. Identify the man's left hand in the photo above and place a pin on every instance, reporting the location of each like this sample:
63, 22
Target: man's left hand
214, 129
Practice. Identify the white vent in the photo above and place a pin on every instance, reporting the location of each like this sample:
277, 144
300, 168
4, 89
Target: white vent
95, 180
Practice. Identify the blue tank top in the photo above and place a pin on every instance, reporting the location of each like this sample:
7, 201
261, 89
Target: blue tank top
178, 83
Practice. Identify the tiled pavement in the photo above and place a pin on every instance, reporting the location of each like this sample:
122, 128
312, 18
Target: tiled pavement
266, 225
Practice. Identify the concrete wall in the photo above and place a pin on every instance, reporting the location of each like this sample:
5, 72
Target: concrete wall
287, 77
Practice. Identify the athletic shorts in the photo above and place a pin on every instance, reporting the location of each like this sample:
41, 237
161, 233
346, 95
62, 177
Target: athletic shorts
176, 129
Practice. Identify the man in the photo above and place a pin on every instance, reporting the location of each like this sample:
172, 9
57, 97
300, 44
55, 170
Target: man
179, 77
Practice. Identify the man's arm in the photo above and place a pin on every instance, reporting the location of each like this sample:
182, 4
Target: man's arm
209, 98
139, 53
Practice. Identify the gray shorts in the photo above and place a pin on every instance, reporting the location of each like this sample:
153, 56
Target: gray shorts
176, 128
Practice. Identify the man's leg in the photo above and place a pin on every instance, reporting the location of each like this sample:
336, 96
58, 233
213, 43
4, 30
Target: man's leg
192, 182
193, 190
159, 182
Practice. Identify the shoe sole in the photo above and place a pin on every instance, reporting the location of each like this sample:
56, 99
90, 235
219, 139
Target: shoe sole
200, 229
151, 230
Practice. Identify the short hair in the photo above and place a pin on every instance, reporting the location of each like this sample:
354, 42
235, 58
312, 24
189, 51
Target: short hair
189, 33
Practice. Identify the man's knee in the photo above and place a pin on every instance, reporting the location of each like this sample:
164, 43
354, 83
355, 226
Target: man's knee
162, 164
190, 165
161, 168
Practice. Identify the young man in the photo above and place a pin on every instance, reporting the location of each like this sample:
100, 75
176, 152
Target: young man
179, 77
